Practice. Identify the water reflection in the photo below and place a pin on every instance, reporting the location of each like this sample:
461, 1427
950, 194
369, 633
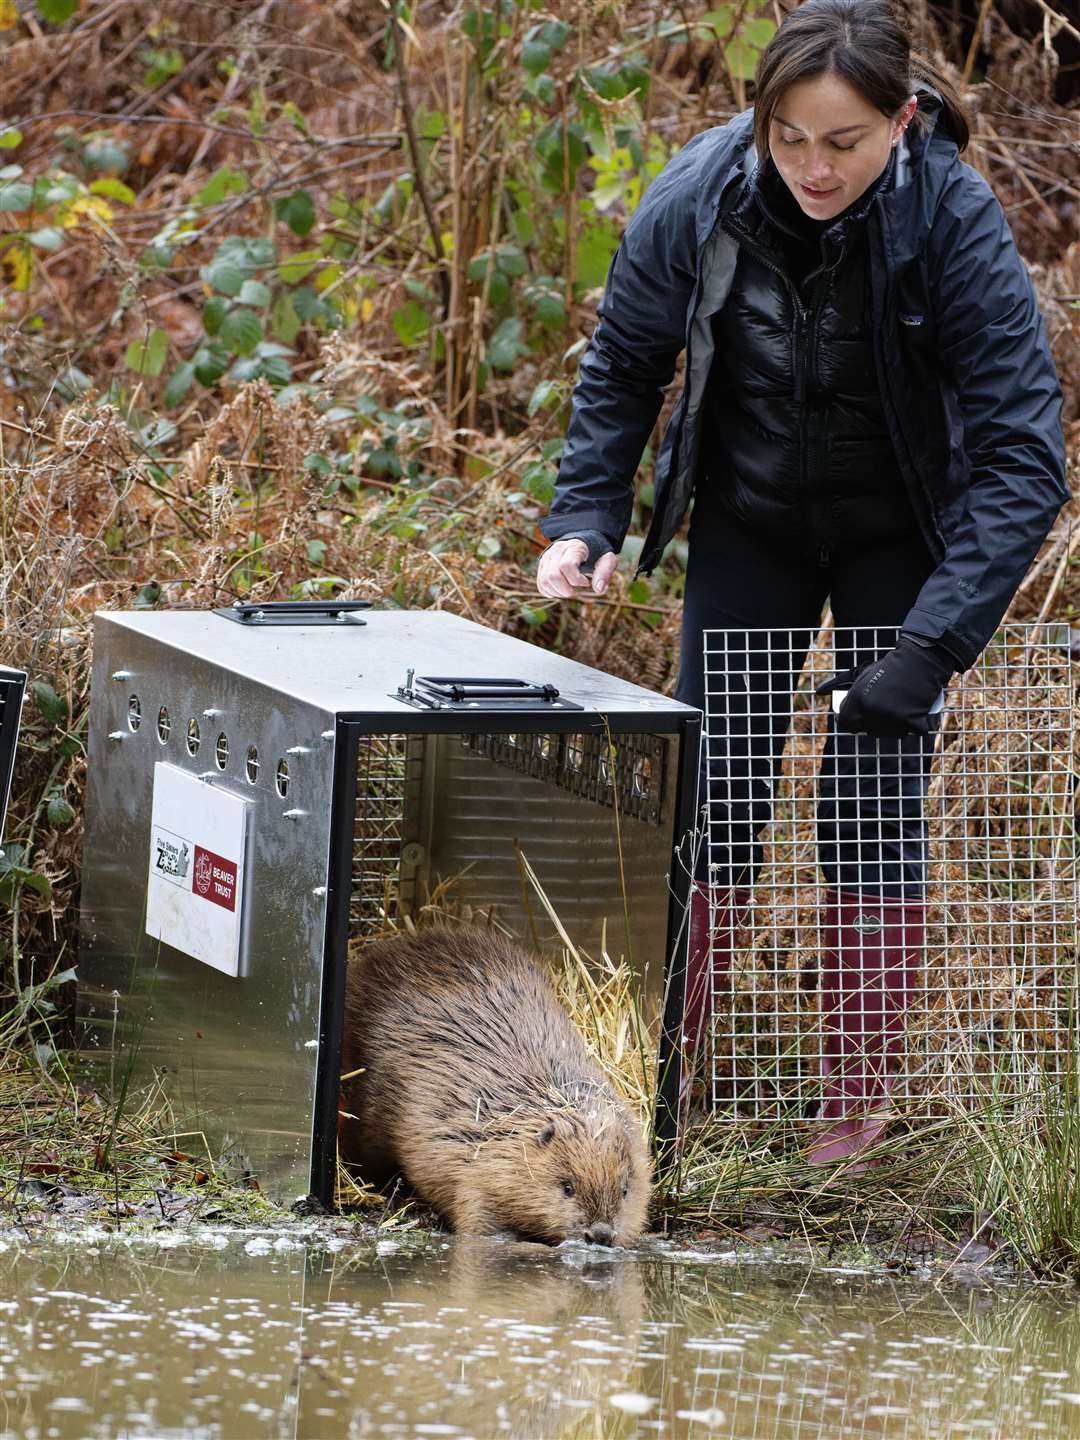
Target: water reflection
238, 1337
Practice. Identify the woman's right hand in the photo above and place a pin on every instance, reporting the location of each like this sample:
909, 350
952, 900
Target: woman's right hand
559, 577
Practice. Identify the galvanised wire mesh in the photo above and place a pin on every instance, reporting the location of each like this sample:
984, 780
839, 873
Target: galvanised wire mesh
387, 766
954, 856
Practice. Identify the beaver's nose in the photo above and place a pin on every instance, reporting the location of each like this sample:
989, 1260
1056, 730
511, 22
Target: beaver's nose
600, 1234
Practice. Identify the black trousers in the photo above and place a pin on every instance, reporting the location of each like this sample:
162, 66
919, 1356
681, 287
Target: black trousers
768, 597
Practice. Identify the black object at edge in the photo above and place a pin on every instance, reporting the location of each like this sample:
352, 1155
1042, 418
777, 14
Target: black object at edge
670, 1058
335, 953
295, 612
12, 691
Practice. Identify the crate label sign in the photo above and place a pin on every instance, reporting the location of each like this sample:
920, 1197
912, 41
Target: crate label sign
194, 894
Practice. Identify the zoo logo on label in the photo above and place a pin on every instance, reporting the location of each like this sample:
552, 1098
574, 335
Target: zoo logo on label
215, 878
172, 856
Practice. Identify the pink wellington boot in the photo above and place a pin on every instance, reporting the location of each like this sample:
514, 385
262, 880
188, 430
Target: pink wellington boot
873, 948
724, 918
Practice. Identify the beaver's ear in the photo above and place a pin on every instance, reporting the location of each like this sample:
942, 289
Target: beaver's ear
546, 1133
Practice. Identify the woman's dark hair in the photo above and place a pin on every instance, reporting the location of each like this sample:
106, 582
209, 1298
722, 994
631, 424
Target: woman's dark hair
864, 43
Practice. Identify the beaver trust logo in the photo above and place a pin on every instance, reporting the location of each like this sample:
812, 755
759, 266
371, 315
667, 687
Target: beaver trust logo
204, 873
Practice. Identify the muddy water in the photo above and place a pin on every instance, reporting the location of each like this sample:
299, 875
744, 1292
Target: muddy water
238, 1336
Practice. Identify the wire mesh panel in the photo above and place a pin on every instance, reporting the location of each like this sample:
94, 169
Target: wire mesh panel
388, 769
887, 918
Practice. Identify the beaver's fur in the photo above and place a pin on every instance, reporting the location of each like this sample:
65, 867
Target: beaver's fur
477, 1088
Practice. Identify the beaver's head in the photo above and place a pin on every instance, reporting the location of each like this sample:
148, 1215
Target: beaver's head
577, 1175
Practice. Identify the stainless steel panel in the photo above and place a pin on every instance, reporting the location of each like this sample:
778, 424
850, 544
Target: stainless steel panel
238, 1056
353, 669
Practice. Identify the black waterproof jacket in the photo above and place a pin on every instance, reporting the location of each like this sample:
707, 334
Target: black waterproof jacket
967, 381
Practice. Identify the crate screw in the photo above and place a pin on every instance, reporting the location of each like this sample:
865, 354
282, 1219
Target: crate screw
298, 750
320, 891
122, 674
292, 814
116, 736
209, 714
328, 734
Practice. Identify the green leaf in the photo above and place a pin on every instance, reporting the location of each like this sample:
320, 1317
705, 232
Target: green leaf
254, 292
523, 226
510, 260
545, 394
284, 321
411, 322
538, 481
47, 238
222, 183
718, 22
418, 290
59, 813
40, 884
241, 331
56, 12
9, 138
431, 125
639, 592
317, 464
296, 119
224, 277
147, 596
535, 56
597, 243
103, 152
533, 614
147, 356
115, 189
507, 344
297, 211
214, 311
161, 65
179, 384
52, 706
18, 195
548, 144
296, 267
316, 552
210, 362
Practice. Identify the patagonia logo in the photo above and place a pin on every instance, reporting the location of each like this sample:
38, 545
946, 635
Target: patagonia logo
911, 319
868, 924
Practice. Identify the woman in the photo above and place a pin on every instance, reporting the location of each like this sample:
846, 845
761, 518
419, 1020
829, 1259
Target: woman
870, 416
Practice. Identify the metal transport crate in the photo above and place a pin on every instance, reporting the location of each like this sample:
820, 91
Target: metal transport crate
269, 784
974, 831
12, 691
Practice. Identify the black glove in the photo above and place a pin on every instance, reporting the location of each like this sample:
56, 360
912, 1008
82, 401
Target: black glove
892, 696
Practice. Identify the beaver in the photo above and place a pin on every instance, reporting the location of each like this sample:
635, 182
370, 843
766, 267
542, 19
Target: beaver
476, 1087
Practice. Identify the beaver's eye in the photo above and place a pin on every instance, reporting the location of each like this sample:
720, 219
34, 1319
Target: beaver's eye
568, 1189
625, 1191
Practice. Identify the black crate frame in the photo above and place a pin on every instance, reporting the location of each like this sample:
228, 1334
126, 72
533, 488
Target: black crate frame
350, 731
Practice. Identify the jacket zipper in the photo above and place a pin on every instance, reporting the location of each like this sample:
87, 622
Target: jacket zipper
805, 351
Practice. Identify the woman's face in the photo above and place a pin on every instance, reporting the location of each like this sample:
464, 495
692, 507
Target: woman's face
829, 143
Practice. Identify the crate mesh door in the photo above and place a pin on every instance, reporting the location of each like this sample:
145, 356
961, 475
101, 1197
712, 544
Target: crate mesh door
924, 889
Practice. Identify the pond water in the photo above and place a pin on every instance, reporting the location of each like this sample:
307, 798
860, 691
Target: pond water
250, 1335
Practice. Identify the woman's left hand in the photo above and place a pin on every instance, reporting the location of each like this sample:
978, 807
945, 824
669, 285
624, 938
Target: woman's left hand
892, 696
